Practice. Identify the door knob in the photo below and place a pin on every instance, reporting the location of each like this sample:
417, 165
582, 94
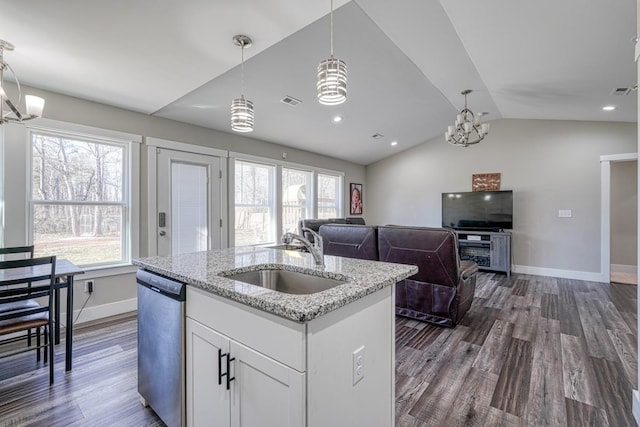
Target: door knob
162, 232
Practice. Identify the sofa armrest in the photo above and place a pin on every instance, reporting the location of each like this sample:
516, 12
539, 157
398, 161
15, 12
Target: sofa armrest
467, 269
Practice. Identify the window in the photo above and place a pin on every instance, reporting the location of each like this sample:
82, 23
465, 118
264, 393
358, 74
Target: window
272, 196
296, 184
254, 203
80, 198
329, 196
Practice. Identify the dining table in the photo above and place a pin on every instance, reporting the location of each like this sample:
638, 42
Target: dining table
65, 271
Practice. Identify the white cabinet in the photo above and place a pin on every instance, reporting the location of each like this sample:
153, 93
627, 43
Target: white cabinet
229, 384
285, 373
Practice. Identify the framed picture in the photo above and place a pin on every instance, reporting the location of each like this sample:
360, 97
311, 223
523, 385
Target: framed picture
355, 198
485, 182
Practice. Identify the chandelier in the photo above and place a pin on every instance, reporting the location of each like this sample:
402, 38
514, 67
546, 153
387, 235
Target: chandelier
34, 104
467, 129
332, 77
241, 108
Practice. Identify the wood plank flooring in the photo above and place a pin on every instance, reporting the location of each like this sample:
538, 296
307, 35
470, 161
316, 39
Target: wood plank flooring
531, 351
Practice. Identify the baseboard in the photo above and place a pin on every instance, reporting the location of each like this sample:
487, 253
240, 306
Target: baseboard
97, 312
635, 405
563, 274
621, 268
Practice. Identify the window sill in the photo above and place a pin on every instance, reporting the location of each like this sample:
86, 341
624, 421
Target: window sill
114, 270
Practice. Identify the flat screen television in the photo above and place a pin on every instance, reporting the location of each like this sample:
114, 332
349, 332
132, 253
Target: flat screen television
478, 210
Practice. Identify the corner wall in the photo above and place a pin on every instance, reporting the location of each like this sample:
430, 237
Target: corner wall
549, 165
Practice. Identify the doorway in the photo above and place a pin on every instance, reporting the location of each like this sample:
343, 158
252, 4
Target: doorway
187, 193
617, 231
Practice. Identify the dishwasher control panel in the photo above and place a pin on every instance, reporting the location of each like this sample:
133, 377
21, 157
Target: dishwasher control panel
161, 284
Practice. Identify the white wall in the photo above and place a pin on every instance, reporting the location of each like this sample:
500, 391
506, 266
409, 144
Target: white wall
114, 294
624, 213
550, 165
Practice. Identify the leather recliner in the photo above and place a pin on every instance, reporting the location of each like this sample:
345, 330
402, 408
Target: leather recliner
442, 290
315, 224
351, 241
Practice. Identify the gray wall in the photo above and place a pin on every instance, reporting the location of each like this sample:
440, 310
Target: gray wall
114, 289
550, 165
624, 213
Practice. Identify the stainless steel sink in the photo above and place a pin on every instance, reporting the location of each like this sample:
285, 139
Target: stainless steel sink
290, 282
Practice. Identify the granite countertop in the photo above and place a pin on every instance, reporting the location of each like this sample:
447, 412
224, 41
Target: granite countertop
206, 270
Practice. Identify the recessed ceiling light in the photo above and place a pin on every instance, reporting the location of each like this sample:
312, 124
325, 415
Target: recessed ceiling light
337, 119
609, 107
394, 143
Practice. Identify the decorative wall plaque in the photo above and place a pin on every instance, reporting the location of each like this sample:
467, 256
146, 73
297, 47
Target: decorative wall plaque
485, 182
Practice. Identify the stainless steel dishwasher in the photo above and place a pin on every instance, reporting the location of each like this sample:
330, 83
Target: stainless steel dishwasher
161, 346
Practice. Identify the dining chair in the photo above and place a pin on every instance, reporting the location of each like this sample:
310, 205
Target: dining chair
28, 279
18, 252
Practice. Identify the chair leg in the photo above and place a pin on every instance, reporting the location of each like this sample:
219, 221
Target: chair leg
49, 330
46, 341
38, 345
29, 338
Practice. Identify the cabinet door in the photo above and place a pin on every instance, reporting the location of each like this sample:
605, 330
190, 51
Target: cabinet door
265, 393
500, 252
207, 401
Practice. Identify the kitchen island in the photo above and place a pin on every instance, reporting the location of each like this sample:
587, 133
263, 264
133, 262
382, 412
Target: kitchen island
255, 356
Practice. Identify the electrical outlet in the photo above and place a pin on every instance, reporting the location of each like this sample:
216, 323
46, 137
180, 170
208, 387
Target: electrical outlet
88, 286
358, 365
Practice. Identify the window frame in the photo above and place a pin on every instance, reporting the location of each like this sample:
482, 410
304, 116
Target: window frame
273, 200
130, 185
279, 166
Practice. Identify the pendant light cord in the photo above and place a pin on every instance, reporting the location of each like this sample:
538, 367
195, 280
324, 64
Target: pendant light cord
332, 28
242, 69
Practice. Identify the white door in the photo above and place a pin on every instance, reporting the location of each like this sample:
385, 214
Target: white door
188, 202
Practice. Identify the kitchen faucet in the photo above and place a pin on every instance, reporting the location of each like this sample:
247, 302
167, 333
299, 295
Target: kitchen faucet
316, 248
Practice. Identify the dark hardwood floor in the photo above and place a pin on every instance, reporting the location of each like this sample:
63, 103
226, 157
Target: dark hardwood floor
531, 351
101, 390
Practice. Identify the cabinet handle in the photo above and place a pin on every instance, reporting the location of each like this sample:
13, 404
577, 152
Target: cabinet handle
228, 374
220, 374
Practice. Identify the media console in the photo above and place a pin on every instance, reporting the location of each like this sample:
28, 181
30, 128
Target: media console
489, 249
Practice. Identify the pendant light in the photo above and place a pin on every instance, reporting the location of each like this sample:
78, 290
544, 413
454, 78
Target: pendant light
332, 77
241, 108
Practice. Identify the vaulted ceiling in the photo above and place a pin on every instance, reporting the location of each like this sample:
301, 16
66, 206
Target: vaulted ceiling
408, 61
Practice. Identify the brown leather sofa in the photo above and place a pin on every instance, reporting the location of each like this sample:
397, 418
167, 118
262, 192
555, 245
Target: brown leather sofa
315, 224
351, 241
442, 290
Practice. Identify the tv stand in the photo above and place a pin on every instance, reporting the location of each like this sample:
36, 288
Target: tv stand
489, 249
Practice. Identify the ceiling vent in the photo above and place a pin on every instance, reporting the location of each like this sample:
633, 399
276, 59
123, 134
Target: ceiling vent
620, 91
377, 136
290, 100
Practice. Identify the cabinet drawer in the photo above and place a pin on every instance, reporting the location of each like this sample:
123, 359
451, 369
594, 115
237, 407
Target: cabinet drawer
278, 338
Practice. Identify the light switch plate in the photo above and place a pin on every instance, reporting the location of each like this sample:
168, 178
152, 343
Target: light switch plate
565, 213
